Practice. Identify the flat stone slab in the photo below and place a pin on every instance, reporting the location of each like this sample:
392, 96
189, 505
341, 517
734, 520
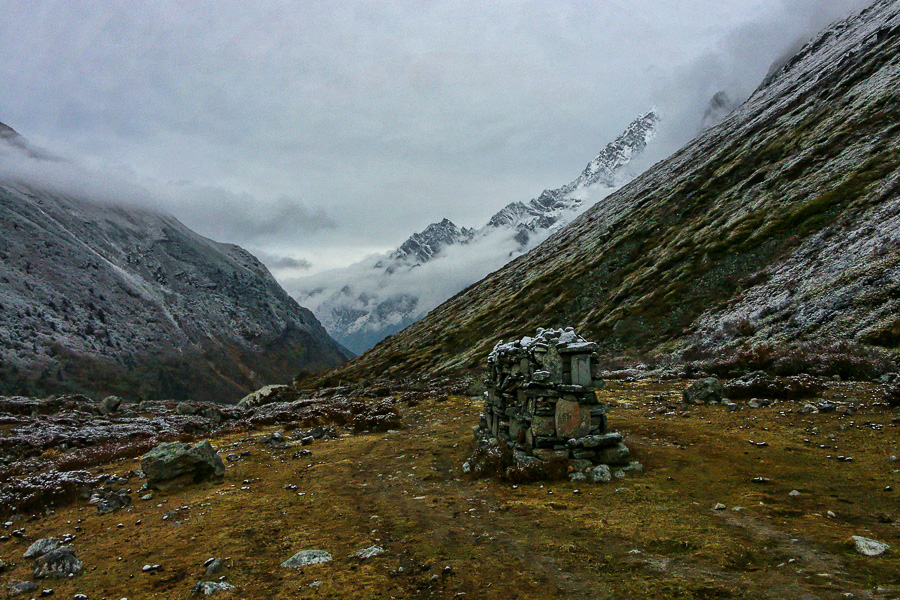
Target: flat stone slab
305, 558
869, 547
572, 419
208, 588
370, 552
42, 547
606, 440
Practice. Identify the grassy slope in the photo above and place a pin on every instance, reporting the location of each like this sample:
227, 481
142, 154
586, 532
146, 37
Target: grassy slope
811, 154
652, 535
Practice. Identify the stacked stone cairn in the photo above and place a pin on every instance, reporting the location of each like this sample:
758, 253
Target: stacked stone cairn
541, 402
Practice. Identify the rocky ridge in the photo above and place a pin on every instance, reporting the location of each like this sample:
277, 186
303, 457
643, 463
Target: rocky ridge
775, 230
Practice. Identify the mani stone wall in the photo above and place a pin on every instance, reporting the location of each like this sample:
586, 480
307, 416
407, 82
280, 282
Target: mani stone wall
541, 400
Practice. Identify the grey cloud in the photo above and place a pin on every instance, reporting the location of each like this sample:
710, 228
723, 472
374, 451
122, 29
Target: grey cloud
382, 117
279, 262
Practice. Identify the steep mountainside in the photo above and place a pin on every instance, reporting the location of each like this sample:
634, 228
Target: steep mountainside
366, 302
781, 225
100, 299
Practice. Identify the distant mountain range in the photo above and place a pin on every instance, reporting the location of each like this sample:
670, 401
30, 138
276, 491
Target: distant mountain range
103, 299
366, 302
772, 240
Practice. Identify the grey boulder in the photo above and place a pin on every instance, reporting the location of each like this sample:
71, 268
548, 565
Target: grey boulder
305, 558
706, 391
175, 463
42, 547
208, 588
109, 405
59, 563
869, 547
267, 395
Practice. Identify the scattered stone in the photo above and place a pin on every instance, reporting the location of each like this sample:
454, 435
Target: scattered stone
600, 474
80, 597
176, 463
577, 477
618, 455
214, 565
706, 391
208, 588
370, 552
808, 409
17, 588
276, 440
113, 500
306, 557
761, 480
869, 547
42, 547
109, 405
267, 395
794, 493
59, 563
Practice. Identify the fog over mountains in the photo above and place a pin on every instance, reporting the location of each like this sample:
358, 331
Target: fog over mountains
363, 303
97, 298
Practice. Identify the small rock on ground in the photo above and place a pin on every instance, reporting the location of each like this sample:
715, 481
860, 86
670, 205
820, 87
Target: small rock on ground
869, 547
17, 588
214, 566
370, 552
306, 557
208, 588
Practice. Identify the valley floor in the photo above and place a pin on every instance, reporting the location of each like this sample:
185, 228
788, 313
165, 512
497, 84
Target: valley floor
655, 534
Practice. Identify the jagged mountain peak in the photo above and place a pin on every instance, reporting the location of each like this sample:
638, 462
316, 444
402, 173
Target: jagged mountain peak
607, 166
380, 297
423, 246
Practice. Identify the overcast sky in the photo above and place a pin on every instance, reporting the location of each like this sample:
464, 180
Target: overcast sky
314, 133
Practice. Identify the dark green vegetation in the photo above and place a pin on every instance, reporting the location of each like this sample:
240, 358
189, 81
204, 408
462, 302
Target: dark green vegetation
777, 227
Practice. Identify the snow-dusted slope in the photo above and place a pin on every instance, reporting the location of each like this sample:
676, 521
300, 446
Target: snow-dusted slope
771, 240
101, 299
366, 302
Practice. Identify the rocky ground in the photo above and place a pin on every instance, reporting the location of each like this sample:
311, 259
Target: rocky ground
733, 502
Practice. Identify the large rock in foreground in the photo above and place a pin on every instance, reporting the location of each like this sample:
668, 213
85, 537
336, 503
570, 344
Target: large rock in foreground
175, 463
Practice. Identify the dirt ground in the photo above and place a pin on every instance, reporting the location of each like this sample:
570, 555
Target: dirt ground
654, 534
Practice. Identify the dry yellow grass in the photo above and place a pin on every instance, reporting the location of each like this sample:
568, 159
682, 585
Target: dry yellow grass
651, 535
